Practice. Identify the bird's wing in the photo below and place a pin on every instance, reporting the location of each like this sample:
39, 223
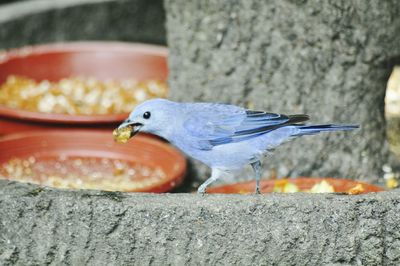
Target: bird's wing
217, 124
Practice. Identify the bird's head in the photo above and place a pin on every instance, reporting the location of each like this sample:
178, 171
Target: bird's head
152, 116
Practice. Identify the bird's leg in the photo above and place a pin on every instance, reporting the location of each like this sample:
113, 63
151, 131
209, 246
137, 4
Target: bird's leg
257, 170
215, 174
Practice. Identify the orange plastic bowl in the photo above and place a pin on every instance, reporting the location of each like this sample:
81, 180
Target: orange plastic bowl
102, 60
141, 149
303, 183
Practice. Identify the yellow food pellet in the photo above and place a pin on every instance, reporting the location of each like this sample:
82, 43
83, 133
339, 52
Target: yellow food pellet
358, 189
79, 95
284, 186
322, 187
122, 135
290, 188
392, 183
279, 185
82, 173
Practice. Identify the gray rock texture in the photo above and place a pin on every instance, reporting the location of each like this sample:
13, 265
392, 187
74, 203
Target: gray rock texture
41, 226
328, 59
44, 21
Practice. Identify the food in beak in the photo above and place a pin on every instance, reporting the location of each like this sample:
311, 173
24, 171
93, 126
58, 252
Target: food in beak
122, 135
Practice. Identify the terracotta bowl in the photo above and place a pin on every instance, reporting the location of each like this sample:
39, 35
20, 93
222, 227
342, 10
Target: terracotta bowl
99, 145
303, 183
102, 60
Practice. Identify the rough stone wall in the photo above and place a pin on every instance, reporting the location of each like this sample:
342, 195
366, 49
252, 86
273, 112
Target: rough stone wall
41, 226
33, 22
328, 59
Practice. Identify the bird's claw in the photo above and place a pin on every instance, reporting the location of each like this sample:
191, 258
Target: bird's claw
201, 191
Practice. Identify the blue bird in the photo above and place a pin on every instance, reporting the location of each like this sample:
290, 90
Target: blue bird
224, 137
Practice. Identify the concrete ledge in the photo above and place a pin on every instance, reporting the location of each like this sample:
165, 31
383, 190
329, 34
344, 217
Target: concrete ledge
61, 227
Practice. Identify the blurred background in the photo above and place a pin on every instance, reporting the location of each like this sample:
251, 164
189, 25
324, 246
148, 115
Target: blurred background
41, 21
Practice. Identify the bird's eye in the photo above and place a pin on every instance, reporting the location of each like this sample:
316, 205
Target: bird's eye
146, 115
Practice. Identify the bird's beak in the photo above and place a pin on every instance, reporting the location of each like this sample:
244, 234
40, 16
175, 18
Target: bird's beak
134, 125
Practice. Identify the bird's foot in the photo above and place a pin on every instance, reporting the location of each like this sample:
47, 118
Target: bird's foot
202, 190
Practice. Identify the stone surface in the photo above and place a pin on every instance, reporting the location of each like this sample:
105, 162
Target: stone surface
44, 21
329, 59
41, 226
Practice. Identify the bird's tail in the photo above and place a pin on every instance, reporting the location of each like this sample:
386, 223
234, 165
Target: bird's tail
315, 129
